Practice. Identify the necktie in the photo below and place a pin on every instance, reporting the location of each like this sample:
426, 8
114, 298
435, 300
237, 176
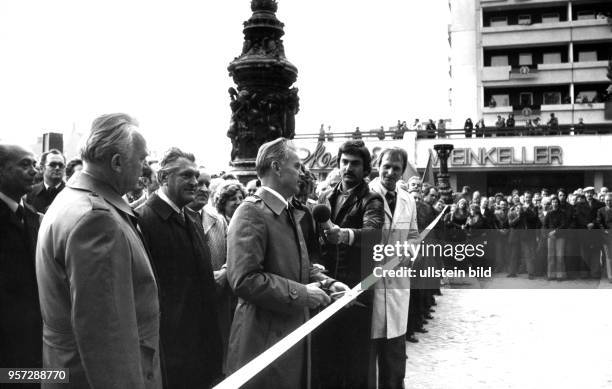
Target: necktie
181, 216
52, 192
390, 197
19, 213
290, 213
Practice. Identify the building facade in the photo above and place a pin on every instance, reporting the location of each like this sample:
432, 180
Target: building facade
549, 56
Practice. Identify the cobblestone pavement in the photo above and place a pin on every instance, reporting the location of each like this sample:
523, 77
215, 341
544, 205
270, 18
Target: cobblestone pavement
516, 338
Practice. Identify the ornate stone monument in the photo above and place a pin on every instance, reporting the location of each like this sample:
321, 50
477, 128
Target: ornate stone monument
263, 102
446, 193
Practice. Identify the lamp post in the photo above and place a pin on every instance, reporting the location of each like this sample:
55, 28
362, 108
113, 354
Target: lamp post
263, 103
446, 193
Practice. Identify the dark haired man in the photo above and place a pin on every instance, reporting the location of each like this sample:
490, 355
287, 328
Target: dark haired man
53, 165
357, 215
20, 320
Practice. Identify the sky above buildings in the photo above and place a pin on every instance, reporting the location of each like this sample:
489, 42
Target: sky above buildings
360, 63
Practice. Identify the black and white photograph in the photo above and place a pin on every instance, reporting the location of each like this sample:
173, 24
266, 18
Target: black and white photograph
306, 195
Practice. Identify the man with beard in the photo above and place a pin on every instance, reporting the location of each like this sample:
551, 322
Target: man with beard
390, 311
342, 344
53, 165
270, 272
20, 320
189, 330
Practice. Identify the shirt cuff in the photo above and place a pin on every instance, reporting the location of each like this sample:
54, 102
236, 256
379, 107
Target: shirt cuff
351, 236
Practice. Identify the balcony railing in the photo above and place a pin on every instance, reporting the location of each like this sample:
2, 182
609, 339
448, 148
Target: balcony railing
488, 132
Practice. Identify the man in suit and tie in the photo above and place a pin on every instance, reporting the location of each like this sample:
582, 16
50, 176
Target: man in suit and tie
97, 289
390, 308
343, 342
270, 272
189, 329
20, 320
53, 165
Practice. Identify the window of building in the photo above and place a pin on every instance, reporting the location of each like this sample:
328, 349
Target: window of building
586, 96
585, 15
501, 100
526, 99
525, 59
524, 19
497, 21
550, 18
499, 60
552, 97
586, 56
551, 58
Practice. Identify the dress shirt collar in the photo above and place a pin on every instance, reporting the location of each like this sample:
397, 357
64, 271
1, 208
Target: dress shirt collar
48, 186
12, 204
162, 195
275, 193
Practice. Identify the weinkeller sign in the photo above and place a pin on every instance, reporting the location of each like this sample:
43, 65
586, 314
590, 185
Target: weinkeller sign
504, 156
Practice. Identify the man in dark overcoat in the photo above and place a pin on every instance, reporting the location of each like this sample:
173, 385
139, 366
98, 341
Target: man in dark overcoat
189, 332
53, 167
20, 320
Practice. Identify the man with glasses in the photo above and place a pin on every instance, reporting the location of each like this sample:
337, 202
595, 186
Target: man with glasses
53, 166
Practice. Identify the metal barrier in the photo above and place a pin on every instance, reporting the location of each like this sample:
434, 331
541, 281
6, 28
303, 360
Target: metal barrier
488, 132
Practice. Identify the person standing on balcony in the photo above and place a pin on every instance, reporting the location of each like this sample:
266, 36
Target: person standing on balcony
468, 127
441, 129
579, 128
553, 125
510, 121
500, 125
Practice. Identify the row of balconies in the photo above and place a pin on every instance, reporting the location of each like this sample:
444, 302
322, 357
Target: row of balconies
546, 74
565, 113
547, 33
514, 3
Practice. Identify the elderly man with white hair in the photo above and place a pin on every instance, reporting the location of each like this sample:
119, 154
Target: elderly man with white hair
97, 289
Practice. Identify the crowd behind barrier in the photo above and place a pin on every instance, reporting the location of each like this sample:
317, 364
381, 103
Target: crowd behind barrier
469, 131
167, 275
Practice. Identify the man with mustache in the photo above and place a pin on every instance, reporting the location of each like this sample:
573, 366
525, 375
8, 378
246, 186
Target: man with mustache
20, 320
53, 165
342, 344
189, 329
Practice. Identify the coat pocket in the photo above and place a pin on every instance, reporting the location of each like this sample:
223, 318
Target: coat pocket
147, 361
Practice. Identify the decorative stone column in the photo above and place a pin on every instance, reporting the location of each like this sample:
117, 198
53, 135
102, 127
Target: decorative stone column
446, 192
263, 102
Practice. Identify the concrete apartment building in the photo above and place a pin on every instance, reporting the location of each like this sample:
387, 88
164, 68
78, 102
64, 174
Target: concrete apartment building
551, 56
